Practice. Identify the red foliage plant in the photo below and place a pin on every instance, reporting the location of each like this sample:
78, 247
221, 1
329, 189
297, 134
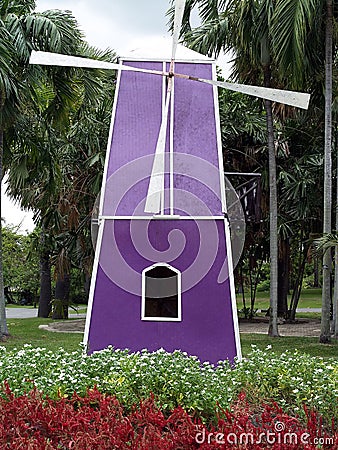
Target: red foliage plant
99, 421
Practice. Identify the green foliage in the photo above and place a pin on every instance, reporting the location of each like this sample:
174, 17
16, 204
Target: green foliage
55, 168
20, 261
309, 298
77, 292
297, 36
290, 379
242, 119
263, 286
247, 313
325, 242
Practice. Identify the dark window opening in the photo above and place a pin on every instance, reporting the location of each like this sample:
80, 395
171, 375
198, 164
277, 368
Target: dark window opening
161, 293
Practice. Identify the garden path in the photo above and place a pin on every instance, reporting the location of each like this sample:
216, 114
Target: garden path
303, 327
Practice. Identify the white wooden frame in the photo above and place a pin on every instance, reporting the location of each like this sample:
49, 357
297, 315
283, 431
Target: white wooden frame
226, 222
179, 295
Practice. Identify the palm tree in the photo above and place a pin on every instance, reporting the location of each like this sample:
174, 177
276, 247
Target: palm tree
303, 46
244, 28
82, 170
22, 30
325, 332
8, 98
55, 172
300, 208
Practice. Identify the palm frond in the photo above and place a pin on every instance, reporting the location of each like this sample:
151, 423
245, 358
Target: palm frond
210, 38
15, 27
292, 24
7, 61
19, 8
325, 242
54, 31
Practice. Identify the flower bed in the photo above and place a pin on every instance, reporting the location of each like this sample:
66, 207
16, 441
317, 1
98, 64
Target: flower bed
200, 391
99, 421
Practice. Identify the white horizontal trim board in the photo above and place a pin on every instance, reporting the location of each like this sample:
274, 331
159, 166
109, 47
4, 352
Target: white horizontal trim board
164, 217
244, 174
167, 59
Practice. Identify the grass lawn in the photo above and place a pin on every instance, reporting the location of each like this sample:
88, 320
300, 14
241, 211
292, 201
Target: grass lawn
310, 298
12, 306
26, 331
306, 345
76, 309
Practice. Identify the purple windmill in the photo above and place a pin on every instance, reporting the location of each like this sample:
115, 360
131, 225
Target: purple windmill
163, 274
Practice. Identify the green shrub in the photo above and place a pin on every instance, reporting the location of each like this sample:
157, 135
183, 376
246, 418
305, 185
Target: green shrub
263, 286
176, 379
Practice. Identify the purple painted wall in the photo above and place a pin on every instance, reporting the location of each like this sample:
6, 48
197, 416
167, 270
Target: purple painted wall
195, 134
137, 123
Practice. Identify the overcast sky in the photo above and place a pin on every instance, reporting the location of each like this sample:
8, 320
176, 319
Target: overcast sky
119, 24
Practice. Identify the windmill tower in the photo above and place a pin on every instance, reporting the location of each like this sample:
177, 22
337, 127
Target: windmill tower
163, 274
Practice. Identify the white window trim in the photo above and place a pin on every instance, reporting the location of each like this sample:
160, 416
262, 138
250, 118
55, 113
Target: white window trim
179, 296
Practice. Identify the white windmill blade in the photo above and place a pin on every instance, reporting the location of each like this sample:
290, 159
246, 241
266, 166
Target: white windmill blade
56, 59
179, 11
156, 183
292, 98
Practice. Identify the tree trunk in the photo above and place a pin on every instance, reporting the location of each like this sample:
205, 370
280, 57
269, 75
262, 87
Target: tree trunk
297, 289
335, 297
3, 322
325, 336
316, 272
254, 283
273, 325
45, 306
62, 288
283, 277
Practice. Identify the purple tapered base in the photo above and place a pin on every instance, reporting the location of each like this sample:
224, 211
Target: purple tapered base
207, 326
